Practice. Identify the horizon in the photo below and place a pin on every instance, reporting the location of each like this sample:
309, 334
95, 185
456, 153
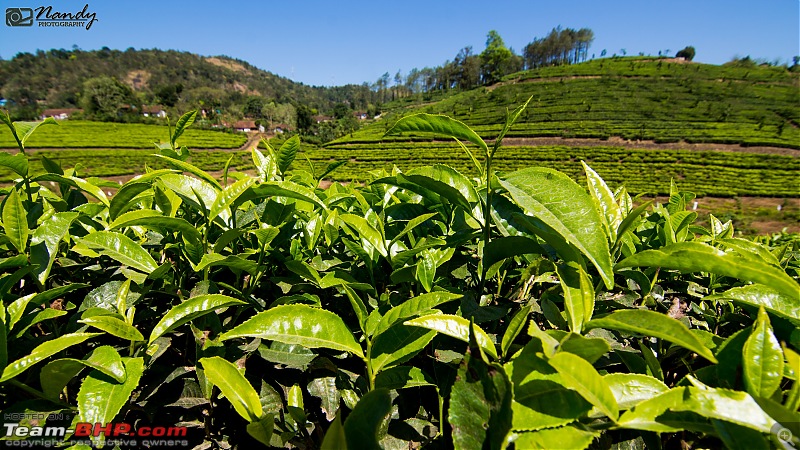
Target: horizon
297, 41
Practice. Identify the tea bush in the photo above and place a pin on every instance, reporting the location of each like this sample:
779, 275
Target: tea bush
425, 308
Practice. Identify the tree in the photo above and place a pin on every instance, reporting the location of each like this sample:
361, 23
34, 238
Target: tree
341, 110
560, 46
305, 118
105, 98
169, 94
494, 58
253, 107
687, 53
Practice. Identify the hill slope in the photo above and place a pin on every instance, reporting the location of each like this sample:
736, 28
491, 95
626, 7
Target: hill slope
705, 121
635, 99
55, 78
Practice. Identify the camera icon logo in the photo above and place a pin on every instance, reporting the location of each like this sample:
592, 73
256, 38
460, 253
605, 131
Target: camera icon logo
19, 17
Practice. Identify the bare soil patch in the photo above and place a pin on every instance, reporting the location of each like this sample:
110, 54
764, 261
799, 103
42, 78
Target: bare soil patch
236, 67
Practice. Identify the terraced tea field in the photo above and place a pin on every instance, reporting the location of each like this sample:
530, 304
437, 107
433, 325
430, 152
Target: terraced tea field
84, 134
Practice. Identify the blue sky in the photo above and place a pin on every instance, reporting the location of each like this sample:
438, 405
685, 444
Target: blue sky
339, 42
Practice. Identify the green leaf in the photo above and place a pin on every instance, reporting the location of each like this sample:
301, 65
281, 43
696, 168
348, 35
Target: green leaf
472, 158
294, 400
3, 341
24, 130
188, 188
509, 246
630, 389
362, 425
43, 351
75, 182
324, 388
335, 438
366, 232
511, 118
604, 201
265, 165
413, 223
651, 323
731, 406
51, 166
579, 375
182, 124
286, 189
38, 315
426, 271
578, 295
515, 326
122, 200
737, 437
45, 241
15, 222
190, 310
100, 398
630, 219
653, 366
151, 219
196, 171
232, 262
114, 326
121, 248
398, 344
543, 402
18, 163
355, 301
234, 387
331, 167
750, 249
590, 349
699, 257
454, 326
762, 358
299, 324
562, 437
304, 270
480, 405
226, 198
287, 153
290, 355
564, 206
56, 374
402, 377
261, 429
438, 124
759, 295
445, 182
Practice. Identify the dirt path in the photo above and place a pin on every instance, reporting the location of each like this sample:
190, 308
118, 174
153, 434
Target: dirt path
647, 145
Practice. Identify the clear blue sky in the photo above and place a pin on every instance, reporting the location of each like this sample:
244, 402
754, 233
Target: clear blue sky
338, 42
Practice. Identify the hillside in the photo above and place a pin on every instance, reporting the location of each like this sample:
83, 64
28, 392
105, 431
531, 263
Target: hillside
635, 99
55, 78
638, 122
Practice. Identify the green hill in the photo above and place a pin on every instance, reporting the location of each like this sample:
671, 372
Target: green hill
607, 112
637, 99
181, 80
